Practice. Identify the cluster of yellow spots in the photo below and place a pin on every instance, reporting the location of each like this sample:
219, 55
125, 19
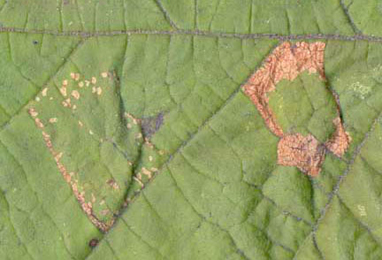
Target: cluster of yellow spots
80, 195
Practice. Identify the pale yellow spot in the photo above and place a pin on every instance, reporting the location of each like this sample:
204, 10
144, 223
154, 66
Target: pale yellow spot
161, 152
72, 75
139, 135
81, 84
362, 210
146, 172
150, 158
44, 91
104, 74
139, 182
80, 124
37, 99
91, 132
154, 169
87, 83
51, 98
63, 91
129, 126
102, 202
94, 80
77, 77
93, 198
99, 91
53, 120
76, 94
66, 102
74, 107
33, 112
94, 89
65, 82
39, 123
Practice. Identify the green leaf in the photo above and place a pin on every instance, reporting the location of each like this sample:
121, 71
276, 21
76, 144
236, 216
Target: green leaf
127, 124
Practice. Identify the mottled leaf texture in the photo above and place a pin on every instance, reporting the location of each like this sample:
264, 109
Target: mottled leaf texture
177, 129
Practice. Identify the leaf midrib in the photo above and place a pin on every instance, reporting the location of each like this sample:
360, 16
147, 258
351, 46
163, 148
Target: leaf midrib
271, 36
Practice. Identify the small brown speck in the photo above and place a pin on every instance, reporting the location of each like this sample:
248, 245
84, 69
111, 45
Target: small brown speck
93, 243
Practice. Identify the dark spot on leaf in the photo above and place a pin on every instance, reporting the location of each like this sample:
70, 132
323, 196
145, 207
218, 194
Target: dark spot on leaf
93, 243
35, 42
151, 125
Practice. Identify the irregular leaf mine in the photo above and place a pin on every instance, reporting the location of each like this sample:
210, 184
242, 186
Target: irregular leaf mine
287, 62
99, 150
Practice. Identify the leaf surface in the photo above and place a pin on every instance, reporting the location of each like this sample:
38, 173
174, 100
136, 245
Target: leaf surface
125, 122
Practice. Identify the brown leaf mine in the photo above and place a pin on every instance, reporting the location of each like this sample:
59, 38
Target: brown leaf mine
286, 62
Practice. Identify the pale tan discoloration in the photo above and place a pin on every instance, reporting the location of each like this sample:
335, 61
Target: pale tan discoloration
139, 182
81, 84
134, 119
99, 91
104, 74
76, 94
53, 120
87, 83
80, 196
32, 112
63, 91
77, 76
66, 102
93, 80
80, 124
147, 172
44, 92
285, 63
38, 123
112, 183
37, 99
65, 82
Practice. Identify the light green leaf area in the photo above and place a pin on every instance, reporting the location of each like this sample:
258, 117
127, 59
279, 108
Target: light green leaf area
304, 105
140, 103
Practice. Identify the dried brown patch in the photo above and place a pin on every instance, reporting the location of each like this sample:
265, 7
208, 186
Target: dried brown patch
287, 61
340, 140
306, 153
